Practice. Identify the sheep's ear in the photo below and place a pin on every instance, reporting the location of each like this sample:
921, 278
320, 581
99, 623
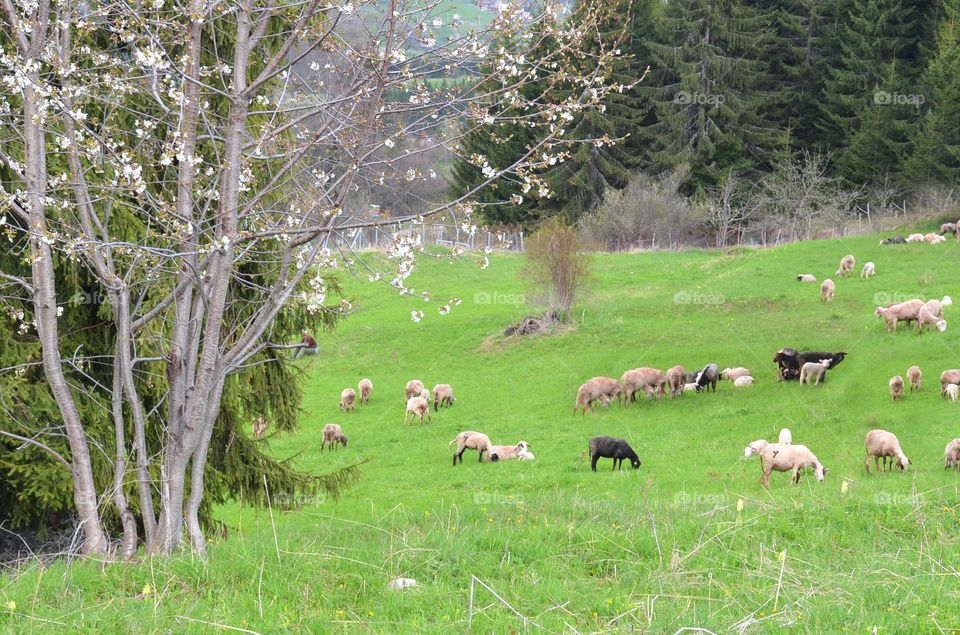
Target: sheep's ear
826, 471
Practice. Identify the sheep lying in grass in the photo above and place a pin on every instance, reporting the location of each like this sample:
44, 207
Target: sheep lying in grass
611, 448
731, 374
934, 239
744, 381
676, 378
652, 381
806, 277
691, 387
815, 371
947, 377
882, 444
951, 455
610, 387
366, 387
442, 396
847, 263
869, 270
827, 289
417, 407
899, 312
470, 440
332, 434
953, 392
508, 452
915, 238
915, 377
413, 389
781, 457
587, 394
347, 398
895, 240
896, 388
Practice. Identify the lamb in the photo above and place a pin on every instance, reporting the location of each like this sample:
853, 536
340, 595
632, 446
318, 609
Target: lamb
826, 290
332, 434
806, 277
781, 457
259, 426
869, 270
951, 455
931, 314
815, 371
785, 437
425, 394
347, 398
366, 387
470, 440
587, 394
948, 228
526, 455
934, 239
915, 377
899, 312
895, 240
651, 380
611, 448
507, 452
676, 378
442, 396
896, 388
947, 377
741, 382
414, 388
847, 263
417, 407
915, 238
953, 392
731, 374
609, 387
708, 377
789, 361
691, 387
880, 443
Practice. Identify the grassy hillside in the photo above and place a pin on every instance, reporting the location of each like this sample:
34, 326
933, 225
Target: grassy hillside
690, 539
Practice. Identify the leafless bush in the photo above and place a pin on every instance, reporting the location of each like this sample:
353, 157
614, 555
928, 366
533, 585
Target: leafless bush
557, 265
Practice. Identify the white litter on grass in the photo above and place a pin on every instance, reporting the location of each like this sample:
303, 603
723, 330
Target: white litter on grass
401, 583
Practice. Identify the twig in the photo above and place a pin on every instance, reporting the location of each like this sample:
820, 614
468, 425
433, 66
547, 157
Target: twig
218, 625
273, 524
526, 620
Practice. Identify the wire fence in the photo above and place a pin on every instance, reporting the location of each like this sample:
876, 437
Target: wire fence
450, 236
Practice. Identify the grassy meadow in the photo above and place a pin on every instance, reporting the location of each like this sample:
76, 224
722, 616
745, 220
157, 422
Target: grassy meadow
690, 539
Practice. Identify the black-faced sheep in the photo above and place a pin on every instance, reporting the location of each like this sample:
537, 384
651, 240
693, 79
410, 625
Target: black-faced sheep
882, 444
611, 448
332, 434
806, 277
470, 440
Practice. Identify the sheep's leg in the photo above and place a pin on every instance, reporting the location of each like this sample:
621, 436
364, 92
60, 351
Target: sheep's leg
765, 479
796, 475
866, 464
614, 465
593, 462
876, 463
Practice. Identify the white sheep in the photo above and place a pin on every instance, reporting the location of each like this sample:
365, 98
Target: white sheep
953, 391
951, 455
417, 407
526, 456
691, 387
931, 314
814, 370
756, 446
347, 398
785, 437
869, 270
470, 440
741, 382
806, 277
896, 388
731, 374
947, 377
781, 457
915, 377
507, 452
827, 289
915, 238
366, 387
882, 444
847, 263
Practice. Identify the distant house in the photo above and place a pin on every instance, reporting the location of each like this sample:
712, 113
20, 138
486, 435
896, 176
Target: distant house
489, 5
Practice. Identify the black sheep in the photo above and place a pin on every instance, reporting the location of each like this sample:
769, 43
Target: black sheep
611, 448
708, 377
896, 240
789, 361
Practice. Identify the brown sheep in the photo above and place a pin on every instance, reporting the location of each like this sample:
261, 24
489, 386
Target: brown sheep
896, 388
259, 426
333, 435
413, 389
827, 289
951, 455
847, 263
417, 407
470, 440
651, 380
588, 393
347, 398
951, 376
609, 387
442, 396
915, 377
366, 387
676, 378
900, 312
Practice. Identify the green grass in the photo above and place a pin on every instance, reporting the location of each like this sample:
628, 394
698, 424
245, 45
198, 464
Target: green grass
651, 550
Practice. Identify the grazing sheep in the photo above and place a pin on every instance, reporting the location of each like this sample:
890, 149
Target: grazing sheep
948, 228
781, 457
827, 290
259, 426
869, 270
947, 377
754, 447
789, 361
611, 448
507, 452
882, 444
587, 394
470, 440
741, 382
332, 434
676, 378
609, 387
847, 263
785, 437
731, 374
896, 388
895, 240
806, 277
417, 407
366, 387
347, 398
953, 392
442, 396
951, 455
708, 377
815, 371
931, 314
425, 394
899, 312
915, 238
915, 377
651, 380
413, 389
